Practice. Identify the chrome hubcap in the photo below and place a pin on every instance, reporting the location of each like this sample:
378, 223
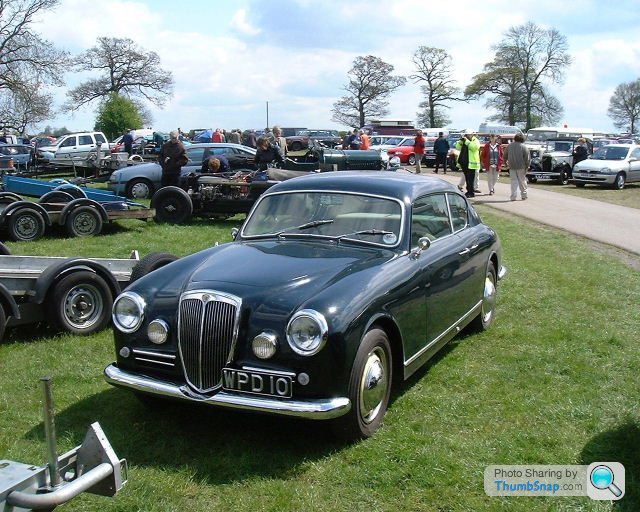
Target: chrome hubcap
488, 299
83, 306
373, 385
140, 191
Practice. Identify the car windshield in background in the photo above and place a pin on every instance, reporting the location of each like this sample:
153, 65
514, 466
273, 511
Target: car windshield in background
540, 136
353, 217
393, 141
560, 146
611, 153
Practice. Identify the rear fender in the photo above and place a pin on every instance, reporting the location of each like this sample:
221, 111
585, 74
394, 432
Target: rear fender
21, 205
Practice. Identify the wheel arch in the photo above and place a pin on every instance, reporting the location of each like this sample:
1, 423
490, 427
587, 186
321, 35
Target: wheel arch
390, 327
53, 273
25, 205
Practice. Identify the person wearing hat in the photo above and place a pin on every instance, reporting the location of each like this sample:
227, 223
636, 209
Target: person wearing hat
172, 157
469, 159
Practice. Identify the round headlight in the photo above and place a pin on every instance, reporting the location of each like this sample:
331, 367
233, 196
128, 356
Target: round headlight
307, 332
157, 331
264, 345
128, 311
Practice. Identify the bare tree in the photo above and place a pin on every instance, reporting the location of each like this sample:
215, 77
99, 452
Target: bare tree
25, 57
433, 71
370, 84
624, 106
536, 55
124, 69
24, 108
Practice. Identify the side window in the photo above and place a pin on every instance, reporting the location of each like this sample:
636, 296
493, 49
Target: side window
635, 153
196, 155
459, 214
430, 218
220, 151
99, 138
69, 142
85, 140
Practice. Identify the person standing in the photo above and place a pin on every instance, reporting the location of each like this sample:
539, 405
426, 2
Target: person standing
127, 140
172, 157
250, 139
280, 141
441, 149
492, 157
267, 153
235, 136
354, 141
217, 136
517, 156
158, 139
580, 152
469, 159
418, 150
365, 140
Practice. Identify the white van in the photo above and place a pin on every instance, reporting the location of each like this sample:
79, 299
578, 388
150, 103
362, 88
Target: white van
77, 146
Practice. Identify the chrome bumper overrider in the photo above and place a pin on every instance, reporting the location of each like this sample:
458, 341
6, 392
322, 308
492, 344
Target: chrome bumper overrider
502, 272
310, 409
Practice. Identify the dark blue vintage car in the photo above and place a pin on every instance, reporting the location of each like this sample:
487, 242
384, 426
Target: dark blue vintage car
336, 283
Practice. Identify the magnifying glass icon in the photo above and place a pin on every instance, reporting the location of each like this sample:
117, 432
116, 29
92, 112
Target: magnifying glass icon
602, 478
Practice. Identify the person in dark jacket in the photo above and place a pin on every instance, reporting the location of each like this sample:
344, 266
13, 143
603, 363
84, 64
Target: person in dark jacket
158, 139
441, 149
580, 152
217, 163
172, 157
267, 153
127, 140
354, 141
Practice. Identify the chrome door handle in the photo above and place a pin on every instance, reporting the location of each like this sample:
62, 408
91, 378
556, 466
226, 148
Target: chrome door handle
466, 251
475, 246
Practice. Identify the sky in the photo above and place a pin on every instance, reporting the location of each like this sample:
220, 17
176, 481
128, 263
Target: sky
230, 58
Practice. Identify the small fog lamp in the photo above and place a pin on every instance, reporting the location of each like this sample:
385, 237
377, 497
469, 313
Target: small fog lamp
264, 345
157, 331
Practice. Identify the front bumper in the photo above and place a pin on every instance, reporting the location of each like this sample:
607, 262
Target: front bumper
595, 178
322, 409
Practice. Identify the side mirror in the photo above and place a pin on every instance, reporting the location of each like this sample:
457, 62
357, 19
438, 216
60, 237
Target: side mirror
423, 244
234, 233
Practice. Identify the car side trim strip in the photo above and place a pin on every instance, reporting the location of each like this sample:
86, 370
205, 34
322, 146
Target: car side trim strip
315, 409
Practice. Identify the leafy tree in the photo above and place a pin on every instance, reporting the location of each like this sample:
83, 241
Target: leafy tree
535, 55
624, 106
25, 108
370, 84
124, 68
433, 70
116, 115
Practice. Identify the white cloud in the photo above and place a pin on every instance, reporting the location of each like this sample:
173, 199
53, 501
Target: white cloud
240, 23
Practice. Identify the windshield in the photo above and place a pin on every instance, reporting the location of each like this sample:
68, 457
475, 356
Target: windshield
326, 215
540, 135
556, 145
394, 141
611, 153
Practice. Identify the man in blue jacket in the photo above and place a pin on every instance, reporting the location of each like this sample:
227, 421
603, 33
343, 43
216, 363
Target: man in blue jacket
441, 149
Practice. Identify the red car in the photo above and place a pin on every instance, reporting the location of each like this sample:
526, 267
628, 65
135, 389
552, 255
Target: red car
404, 151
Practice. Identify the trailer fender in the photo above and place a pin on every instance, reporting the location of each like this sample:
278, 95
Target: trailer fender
54, 273
83, 201
19, 205
9, 197
8, 303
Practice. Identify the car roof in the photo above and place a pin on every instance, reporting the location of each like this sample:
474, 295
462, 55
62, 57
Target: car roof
400, 185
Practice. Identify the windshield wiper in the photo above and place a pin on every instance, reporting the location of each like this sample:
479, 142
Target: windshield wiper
362, 232
307, 225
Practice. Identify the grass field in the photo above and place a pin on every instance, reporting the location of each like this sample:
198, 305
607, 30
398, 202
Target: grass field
555, 381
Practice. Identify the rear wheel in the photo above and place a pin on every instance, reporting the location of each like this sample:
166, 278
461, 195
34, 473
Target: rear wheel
81, 303
84, 221
620, 181
369, 388
564, 177
26, 225
412, 159
173, 205
488, 308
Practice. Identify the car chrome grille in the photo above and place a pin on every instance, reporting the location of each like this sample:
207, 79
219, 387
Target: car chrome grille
207, 329
546, 163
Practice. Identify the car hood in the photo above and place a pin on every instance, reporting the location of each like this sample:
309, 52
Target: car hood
49, 149
134, 169
594, 165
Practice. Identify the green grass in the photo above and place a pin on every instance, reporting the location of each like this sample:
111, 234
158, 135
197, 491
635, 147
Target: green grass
553, 382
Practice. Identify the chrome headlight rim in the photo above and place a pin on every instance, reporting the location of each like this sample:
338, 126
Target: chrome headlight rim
165, 327
140, 305
322, 326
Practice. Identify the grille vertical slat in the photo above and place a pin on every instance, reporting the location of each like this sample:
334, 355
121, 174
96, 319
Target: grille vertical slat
206, 335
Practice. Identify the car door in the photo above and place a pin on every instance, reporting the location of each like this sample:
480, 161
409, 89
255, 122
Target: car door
67, 148
86, 145
195, 156
634, 165
473, 241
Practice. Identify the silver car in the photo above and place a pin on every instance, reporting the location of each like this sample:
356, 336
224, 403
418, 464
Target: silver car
612, 165
141, 181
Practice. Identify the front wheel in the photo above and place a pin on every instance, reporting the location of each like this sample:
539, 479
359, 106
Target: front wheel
412, 159
369, 388
564, 177
139, 188
173, 205
81, 303
620, 181
488, 307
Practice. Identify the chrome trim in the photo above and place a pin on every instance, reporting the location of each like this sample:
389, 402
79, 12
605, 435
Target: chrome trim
322, 324
153, 354
445, 333
267, 370
315, 409
207, 296
502, 272
144, 360
139, 302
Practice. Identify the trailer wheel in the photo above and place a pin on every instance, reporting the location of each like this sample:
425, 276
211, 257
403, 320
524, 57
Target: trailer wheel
173, 205
3, 322
84, 221
81, 303
25, 225
150, 263
4, 250
56, 196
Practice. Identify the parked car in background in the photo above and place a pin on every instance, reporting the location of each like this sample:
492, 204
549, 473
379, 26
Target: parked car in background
141, 181
404, 151
328, 138
614, 165
23, 155
38, 142
368, 277
556, 162
385, 142
601, 142
78, 145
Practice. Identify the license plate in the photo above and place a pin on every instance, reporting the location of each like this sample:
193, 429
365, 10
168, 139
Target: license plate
259, 383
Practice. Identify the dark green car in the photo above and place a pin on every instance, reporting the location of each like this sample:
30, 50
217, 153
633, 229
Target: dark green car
337, 285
